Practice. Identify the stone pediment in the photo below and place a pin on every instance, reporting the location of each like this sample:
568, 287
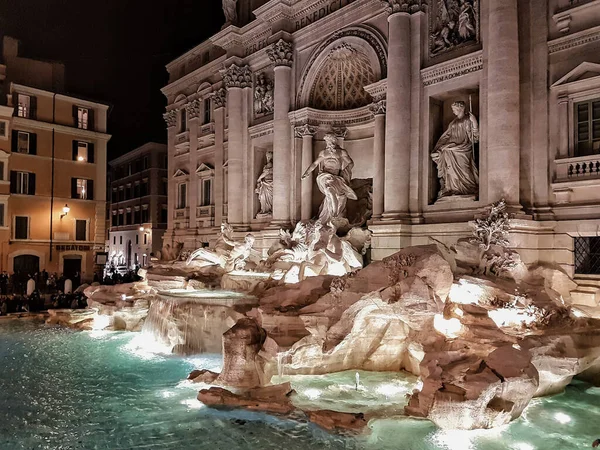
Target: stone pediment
205, 170
583, 71
180, 173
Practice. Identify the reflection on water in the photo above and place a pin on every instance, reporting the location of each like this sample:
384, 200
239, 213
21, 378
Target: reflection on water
61, 389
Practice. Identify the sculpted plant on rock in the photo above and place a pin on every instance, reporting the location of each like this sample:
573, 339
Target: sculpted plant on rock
494, 229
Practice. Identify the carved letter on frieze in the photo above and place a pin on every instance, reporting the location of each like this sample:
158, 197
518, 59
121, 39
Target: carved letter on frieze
281, 53
237, 77
453, 25
406, 6
219, 98
170, 118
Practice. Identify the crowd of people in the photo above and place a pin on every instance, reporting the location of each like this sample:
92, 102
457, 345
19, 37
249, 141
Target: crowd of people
45, 283
113, 276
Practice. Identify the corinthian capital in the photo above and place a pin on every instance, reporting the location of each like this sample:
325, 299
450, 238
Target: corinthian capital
237, 76
281, 53
305, 130
220, 98
170, 118
406, 6
193, 108
378, 107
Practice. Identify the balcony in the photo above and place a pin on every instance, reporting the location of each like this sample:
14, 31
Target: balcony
207, 129
575, 169
182, 214
577, 180
203, 212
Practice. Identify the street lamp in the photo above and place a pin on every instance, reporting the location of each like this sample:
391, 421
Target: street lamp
66, 210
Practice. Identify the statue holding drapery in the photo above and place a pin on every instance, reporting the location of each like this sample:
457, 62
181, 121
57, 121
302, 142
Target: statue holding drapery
454, 155
230, 11
264, 188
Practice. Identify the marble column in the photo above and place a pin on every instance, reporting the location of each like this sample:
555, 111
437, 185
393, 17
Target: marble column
378, 108
281, 54
171, 121
398, 115
236, 78
306, 132
503, 114
219, 99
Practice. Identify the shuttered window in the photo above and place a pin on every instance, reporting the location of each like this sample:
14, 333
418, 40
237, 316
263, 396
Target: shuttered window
587, 117
21, 227
80, 230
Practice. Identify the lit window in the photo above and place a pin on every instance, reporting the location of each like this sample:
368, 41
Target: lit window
24, 108
587, 116
82, 191
82, 118
3, 129
82, 151
22, 183
23, 142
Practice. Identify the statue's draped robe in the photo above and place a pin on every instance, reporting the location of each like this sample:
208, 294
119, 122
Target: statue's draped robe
265, 191
337, 186
453, 155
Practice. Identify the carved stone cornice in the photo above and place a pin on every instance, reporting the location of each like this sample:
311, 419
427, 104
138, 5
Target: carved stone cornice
377, 90
405, 6
237, 76
219, 98
574, 40
305, 130
193, 109
281, 53
452, 69
170, 118
378, 107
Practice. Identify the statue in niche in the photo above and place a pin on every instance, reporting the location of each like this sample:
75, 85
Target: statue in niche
334, 177
264, 188
453, 155
264, 102
454, 23
230, 11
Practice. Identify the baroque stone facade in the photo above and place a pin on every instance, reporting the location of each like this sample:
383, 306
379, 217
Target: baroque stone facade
403, 79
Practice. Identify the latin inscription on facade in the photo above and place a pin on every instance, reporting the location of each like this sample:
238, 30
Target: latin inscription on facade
321, 12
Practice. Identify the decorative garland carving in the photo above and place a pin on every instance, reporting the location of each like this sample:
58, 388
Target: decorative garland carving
237, 76
281, 53
378, 107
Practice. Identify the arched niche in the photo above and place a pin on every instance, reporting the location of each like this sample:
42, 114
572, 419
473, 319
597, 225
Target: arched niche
360, 50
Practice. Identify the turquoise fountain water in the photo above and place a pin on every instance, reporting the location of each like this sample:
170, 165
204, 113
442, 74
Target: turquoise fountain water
61, 389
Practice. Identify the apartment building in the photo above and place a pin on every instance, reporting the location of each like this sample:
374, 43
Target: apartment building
138, 205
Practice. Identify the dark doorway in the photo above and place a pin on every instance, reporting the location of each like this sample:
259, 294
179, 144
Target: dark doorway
26, 265
72, 269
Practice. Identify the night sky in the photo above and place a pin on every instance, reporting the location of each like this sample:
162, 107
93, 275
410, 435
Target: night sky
115, 51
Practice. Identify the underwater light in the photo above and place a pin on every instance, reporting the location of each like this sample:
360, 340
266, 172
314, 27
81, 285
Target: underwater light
562, 418
312, 394
524, 446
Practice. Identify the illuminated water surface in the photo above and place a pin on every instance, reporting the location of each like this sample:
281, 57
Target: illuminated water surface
61, 389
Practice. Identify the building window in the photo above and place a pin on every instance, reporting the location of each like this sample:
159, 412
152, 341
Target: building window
182, 121
114, 240
121, 218
2, 167
587, 255
145, 238
22, 142
164, 214
114, 196
587, 117
207, 110
3, 129
21, 227
24, 106
121, 194
144, 188
83, 115
2, 211
80, 230
182, 196
81, 152
22, 182
206, 192
145, 215
137, 239
145, 162
120, 240
136, 215
115, 219
81, 188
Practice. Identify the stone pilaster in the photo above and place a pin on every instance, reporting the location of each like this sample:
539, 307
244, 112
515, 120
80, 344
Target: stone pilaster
281, 54
306, 132
219, 99
171, 122
398, 116
378, 108
192, 110
503, 112
236, 79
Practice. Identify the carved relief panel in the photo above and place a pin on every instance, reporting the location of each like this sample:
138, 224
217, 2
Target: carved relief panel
453, 24
264, 101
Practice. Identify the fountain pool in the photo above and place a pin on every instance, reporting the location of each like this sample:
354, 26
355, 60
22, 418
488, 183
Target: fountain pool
61, 389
